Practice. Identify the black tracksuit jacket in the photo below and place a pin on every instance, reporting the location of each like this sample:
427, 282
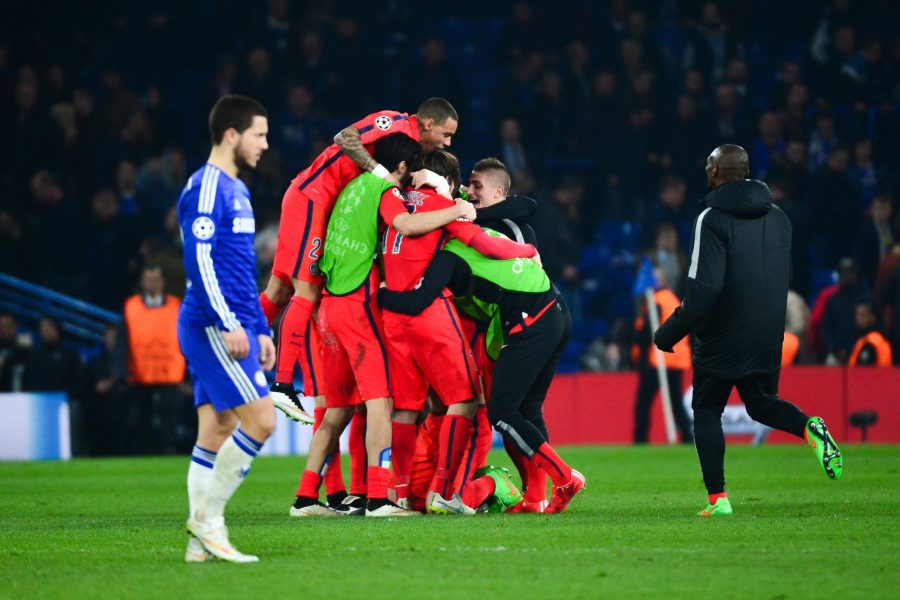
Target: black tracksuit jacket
736, 291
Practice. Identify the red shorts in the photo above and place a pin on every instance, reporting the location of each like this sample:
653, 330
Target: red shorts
483, 363
430, 349
301, 234
353, 347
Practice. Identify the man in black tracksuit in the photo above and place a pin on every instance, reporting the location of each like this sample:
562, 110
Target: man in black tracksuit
734, 305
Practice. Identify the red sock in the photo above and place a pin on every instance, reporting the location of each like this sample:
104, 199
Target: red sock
534, 479
551, 463
403, 445
713, 498
358, 456
309, 485
270, 309
377, 482
292, 337
477, 491
333, 477
455, 433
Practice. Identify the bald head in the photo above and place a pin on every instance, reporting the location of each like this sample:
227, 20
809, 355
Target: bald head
726, 164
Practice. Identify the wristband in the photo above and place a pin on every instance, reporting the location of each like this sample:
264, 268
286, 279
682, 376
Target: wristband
380, 171
443, 187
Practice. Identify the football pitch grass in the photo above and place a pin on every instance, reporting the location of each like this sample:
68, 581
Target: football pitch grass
114, 528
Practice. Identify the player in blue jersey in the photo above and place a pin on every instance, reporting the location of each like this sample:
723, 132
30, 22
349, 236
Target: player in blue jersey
221, 327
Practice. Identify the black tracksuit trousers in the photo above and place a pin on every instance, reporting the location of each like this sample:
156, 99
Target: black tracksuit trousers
759, 393
522, 376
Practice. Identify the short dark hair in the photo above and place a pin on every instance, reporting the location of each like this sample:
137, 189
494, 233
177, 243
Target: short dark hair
233, 111
391, 150
438, 109
441, 162
494, 164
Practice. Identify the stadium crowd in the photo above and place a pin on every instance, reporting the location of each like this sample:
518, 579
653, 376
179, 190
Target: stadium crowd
604, 112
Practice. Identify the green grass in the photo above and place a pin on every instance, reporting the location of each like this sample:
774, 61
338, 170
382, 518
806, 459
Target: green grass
114, 528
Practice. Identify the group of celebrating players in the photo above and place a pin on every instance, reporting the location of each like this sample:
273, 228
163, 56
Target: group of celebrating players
410, 323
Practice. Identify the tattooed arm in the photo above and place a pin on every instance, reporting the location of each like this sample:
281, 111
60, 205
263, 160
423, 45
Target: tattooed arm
349, 141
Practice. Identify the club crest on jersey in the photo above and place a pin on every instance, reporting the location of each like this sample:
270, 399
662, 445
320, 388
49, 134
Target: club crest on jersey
414, 197
203, 228
383, 122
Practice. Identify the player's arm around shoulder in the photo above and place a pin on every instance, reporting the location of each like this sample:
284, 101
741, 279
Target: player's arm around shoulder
350, 142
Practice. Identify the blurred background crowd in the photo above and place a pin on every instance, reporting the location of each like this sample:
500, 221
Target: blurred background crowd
604, 111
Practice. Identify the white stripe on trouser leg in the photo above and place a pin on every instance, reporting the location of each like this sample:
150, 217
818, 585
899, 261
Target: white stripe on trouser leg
231, 366
695, 254
516, 438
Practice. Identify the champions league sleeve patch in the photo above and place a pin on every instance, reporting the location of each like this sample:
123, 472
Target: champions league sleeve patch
383, 122
203, 228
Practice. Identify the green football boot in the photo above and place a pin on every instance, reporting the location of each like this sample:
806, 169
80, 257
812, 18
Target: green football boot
722, 508
506, 494
823, 447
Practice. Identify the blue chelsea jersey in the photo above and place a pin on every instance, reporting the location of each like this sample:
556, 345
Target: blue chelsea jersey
218, 228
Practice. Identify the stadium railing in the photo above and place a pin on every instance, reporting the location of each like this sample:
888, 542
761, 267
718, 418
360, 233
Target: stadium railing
77, 318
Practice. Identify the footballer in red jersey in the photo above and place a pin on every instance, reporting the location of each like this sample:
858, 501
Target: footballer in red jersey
431, 346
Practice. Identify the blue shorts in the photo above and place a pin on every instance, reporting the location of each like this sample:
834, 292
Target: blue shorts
218, 378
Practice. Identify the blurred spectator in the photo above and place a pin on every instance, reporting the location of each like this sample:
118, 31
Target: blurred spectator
710, 44
156, 368
58, 227
871, 349
888, 291
14, 354
668, 258
15, 247
295, 128
646, 359
669, 207
864, 75
259, 81
309, 65
874, 238
822, 140
801, 220
52, 366
126, 188
512, 150
789, 75
794, 114
839, 323
106, 397
689, 144
796, 325
728, 118
112, 243
835, 206
159, 185
433, 76
769, 148
556, 225
868, 177
793, 171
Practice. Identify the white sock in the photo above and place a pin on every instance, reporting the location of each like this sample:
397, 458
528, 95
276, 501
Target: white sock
199, 472
231, 466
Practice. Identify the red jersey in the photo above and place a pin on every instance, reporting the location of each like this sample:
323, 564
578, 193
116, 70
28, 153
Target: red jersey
323, 180
405, 258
